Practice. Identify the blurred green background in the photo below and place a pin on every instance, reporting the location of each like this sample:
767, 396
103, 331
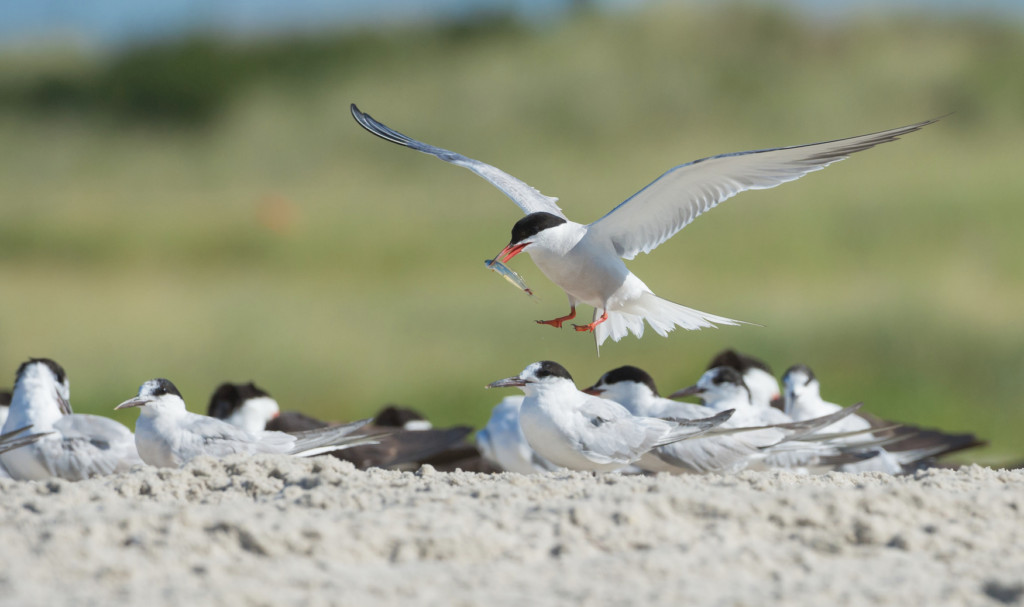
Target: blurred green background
206, 209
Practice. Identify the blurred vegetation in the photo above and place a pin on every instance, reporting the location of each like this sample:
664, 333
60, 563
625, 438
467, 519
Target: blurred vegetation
208, 211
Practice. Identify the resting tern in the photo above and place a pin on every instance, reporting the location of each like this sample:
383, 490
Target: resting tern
909, 447
169, 436
635, 389
503, 444
78, 446
722, 388
578, 431
253, 409
757, 375
586, 260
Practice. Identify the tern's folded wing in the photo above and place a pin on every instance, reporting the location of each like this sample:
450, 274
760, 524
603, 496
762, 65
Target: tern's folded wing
657, 212
608, 433
528, 199
91, 445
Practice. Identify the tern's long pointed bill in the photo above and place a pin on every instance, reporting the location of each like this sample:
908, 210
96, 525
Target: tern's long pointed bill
510, 382
691, 391
593, 391
511, 251
132, 402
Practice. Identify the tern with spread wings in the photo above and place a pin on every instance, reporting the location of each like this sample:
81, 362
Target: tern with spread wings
586, 260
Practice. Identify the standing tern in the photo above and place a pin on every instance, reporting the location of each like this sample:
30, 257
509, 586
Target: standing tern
503, 444
406, 438
578, 431
169, 436
586, 260
635, 389
78, 446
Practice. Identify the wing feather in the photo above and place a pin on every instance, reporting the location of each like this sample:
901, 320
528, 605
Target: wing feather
671, 202
528, 198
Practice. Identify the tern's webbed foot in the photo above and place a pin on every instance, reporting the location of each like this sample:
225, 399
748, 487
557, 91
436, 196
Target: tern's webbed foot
591, 326
557, 323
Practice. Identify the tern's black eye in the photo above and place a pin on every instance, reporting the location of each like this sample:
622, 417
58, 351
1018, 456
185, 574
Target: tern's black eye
549, 368
532, 224
163, 387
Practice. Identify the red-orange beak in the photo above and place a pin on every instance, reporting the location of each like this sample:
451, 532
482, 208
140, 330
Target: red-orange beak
593, 391
511, 251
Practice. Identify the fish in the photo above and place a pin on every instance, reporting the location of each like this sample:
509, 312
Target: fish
510, 275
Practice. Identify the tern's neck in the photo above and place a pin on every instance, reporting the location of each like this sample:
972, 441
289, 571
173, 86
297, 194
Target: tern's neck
732, 400
558, 240
639, 400
254, 414
557, 392
807, 402
34, 403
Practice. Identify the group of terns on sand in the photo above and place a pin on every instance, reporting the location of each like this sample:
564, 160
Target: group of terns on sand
618, 424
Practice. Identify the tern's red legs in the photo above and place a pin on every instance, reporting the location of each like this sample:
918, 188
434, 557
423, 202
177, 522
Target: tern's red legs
591, 326
557, 323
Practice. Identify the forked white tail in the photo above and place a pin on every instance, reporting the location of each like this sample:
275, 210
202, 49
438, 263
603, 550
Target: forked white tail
662, 314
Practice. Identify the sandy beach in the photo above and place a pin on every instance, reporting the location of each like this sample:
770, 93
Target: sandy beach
280, 531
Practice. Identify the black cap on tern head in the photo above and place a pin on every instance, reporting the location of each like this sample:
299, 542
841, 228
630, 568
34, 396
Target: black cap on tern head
802, 369
228, 397
741, 362
532, 224
160, 387
547, 368
727, 375
393, 416
58, 370
629, 373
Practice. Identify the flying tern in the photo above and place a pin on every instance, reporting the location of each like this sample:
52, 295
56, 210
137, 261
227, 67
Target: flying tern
753, 448
585, 260
169, 436
503, 444
579, 431
77, 446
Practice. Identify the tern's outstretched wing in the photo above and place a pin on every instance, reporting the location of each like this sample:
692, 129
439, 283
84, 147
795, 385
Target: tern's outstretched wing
657, 212
528, 199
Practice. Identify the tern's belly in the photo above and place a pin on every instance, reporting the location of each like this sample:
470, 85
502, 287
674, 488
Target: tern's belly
25, 464
552, 444
589, 279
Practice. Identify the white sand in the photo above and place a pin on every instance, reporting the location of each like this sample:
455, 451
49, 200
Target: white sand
278, 531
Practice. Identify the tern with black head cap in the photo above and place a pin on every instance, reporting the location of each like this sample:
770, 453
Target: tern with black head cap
909, 447
255, 410
748, 447
757, 375
78, 446
579, 431
243, 405
169, 436
586, 261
